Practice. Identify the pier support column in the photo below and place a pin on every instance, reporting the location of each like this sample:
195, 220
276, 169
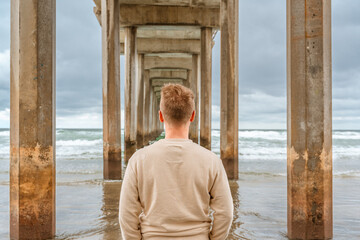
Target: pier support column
111, 89
32, 119
194, 126
154, 116
205, 103
188, 79
309, 119
158, 119
130, 92
151, 114
147, 105
229, 85
140, 103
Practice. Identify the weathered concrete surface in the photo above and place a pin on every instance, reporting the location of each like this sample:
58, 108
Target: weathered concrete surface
151, 129
205, 103
111, 91
146, 116
309, 126
168, 15
161, 81
157, 94
198, 3
159, 126
154, 116
187, 82
130, 92
194, 126
140, 103
229, 86
168, 73
168, 62
168, 31
158, 45
32, 119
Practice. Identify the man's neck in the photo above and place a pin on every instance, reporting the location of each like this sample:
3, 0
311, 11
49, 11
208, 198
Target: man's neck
182, 132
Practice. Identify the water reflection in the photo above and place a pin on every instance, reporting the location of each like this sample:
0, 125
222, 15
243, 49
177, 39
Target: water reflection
235, 231
110, 210
88, 209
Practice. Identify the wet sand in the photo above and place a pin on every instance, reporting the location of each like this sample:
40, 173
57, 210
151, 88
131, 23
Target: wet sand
87, 209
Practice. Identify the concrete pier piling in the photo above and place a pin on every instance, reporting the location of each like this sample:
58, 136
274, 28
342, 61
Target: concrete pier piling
111, 90
146, 109
32, 119
194, 86
309, 145
205, 103
229, 85
130, 92
140, 103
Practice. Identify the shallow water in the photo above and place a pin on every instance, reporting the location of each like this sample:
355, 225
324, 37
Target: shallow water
87, 206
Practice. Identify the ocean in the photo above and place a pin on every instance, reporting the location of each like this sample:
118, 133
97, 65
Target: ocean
86, 205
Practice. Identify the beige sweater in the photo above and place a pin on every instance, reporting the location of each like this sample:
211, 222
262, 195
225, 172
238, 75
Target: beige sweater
167, 190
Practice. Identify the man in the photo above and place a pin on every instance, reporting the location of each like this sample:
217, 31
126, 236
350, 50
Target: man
169, 186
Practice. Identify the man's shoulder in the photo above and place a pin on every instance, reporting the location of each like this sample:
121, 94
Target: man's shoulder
156, 148
203, 150
137, 156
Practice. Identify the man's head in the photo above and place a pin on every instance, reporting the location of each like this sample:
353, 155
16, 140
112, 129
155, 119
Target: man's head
177, 106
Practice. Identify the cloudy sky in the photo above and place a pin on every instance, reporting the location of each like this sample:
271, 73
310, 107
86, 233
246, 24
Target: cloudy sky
262, 65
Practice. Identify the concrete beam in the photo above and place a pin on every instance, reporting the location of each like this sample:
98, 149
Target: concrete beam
157, 88
172, 31
309, 118
134, 15
229, 87
160, 82
165, 32
146, 45
167, 62
130, 93
205, 102
200, 3
168, 73
32, 119
111, 92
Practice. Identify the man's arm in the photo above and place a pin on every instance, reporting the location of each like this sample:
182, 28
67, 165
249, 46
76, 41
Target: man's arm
129, 206
222, 204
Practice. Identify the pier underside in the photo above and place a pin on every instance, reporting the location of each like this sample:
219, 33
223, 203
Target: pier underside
167, 41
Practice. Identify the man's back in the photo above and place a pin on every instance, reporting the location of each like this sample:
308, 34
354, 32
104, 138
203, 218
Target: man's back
173, 182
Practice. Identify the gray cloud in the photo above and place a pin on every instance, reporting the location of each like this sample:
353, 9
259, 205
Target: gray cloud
262, 65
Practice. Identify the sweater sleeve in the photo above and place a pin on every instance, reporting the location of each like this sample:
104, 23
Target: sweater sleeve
222, 203
129, 206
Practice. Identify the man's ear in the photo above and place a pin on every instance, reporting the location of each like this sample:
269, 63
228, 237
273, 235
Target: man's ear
192, 116
161, 117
